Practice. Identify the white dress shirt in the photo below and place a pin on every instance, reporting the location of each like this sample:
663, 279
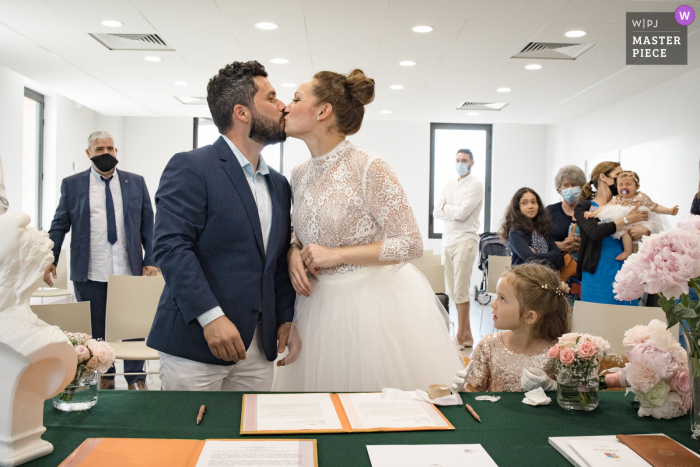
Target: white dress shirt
261, 193
4, 203
106, 259
464, 198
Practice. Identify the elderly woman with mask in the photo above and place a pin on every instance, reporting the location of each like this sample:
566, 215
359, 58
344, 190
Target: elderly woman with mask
568, 183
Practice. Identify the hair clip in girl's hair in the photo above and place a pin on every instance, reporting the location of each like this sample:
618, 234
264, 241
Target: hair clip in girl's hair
560, 290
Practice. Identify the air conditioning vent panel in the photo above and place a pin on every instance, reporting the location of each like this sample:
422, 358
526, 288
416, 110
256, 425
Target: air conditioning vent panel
131, 41
553, 51
192, 100
497, 106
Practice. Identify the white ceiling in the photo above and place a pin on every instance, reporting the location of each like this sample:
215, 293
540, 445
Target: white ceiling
466, 58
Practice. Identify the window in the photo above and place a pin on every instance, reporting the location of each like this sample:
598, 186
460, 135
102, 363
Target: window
32, 155
445, 140
205, 132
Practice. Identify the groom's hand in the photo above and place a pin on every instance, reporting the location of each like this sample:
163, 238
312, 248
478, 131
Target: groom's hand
287, 335
224, 340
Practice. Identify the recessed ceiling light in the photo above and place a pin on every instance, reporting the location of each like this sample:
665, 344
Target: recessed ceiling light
396, 86
386, 111
288, 85
152, 59
266, 26
503, 89
279, 61
407, 63
474, 113
180, 83
110, 23
575, 34
423, 29
534, 66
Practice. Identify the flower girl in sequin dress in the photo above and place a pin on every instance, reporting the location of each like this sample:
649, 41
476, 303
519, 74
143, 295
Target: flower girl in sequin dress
531, 311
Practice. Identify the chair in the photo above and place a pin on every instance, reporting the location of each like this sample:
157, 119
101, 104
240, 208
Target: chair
497, 266
70, 317
435, 273
60, 284
611, 321
428, 259
131, 306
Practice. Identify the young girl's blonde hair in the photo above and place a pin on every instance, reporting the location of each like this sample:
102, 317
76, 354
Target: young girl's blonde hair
538, 288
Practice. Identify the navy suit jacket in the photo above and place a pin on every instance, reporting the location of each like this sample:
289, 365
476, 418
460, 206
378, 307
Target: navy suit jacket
73, 211
209, 246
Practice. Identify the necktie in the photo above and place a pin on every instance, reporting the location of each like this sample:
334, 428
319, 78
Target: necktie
111, 222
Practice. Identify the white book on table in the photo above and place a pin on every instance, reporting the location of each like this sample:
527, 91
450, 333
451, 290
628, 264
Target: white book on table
429, 455
607, 453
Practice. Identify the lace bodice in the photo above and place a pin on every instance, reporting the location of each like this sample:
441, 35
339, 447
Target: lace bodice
350, 196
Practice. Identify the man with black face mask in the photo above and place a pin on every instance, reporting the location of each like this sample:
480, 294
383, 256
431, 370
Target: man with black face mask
111, 216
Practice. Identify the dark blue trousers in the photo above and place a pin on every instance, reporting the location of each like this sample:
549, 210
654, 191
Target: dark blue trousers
96, 294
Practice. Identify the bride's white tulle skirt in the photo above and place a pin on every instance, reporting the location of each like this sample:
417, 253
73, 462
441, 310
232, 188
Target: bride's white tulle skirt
372, 328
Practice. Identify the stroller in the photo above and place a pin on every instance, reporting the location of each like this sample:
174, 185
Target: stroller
489, 244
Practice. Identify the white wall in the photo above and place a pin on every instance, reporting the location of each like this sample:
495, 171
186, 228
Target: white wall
657, 133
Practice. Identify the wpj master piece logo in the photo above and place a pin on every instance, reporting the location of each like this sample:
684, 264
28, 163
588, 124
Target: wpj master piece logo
659, 38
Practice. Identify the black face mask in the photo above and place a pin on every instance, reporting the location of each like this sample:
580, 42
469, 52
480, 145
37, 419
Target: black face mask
613, 187
104, 162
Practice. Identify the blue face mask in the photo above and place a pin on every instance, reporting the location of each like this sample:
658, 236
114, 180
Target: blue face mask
570, 195
462, 169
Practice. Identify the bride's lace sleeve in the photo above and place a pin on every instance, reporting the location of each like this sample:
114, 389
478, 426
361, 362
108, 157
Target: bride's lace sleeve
389, 205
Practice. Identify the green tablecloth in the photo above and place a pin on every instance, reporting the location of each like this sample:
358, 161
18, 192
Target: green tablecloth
512, 433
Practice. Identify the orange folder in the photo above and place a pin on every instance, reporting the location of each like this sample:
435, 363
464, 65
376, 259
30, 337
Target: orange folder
136, 452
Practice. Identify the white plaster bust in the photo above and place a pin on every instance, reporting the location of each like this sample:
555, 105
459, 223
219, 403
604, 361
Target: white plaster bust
36, 360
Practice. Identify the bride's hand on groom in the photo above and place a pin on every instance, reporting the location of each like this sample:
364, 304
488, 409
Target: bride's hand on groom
297, 272
287, 337
317, 256
224, 340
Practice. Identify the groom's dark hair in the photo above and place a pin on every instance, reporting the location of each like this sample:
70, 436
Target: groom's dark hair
232, 86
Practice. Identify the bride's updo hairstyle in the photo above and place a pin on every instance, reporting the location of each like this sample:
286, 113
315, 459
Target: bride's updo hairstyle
348, 95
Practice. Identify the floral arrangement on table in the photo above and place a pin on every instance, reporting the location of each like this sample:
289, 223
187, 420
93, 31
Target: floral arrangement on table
657, 372
668, 264
93, 355
577, 359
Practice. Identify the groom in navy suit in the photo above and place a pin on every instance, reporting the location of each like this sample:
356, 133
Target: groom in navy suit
222, 233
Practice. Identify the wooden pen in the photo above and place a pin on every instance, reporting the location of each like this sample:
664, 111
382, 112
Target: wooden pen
474, 414
202, 409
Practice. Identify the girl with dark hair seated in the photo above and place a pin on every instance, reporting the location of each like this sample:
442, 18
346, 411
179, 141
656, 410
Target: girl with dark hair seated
527, 227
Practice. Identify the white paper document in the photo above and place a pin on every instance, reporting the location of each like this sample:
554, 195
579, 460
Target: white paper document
259, 453
603, 453
369, 410
284, 412
430, 455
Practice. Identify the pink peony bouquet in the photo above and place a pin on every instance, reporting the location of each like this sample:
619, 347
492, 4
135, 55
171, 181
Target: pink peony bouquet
577, 359
657, 372
93, 355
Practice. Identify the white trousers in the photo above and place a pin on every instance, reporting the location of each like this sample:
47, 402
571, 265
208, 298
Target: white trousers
252, 374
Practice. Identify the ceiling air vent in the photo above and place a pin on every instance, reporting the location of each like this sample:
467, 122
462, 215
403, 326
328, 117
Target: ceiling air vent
481, 106
131, 41
553, 51
192, 100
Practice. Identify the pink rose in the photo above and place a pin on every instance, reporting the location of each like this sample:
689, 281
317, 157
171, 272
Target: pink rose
569, 340
602, 345
641, 377
103, 352
636, 335
83, 353
660, 361
93, 363
567, 356
681, 382
587, 349
554, 351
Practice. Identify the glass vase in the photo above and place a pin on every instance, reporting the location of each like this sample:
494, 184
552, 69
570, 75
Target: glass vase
577, 392
691, 347
80, 394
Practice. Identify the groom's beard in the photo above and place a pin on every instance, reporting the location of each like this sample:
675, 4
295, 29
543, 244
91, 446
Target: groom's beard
265, 130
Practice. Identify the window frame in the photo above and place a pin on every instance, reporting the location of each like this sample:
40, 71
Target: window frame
39, 99
487, 178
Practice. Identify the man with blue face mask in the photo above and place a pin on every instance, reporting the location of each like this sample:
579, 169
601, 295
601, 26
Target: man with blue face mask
460, 208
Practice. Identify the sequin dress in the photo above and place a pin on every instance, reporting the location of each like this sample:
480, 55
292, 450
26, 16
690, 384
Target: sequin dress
364, 328
497, 369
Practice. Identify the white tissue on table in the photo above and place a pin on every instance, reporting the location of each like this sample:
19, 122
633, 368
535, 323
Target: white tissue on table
536, 397
418, 395
487, 398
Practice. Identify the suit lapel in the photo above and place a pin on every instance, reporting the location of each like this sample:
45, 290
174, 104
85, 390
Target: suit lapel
124, 185
233, 169
84, 197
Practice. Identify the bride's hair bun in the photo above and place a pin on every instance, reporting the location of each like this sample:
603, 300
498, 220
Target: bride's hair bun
360, 86
348, 96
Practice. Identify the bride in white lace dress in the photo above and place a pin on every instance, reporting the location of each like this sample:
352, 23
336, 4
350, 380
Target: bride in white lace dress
366, 318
